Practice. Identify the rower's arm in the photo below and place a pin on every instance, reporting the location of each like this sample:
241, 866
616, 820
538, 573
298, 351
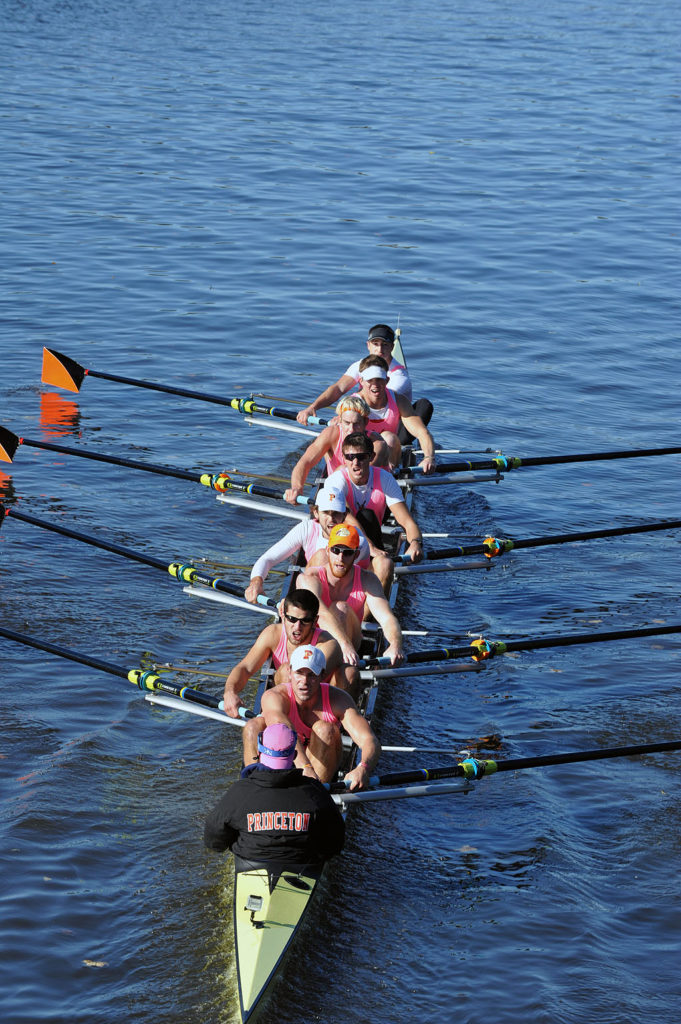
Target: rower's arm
310, 457
281, 551
415, 425
238, 678
328, 397
328, 619
361, 733
406, 520
383, 613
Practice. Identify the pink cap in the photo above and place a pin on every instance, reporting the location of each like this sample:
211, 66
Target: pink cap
277, 746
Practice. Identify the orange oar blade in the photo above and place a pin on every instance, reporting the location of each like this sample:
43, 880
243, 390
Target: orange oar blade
61, 372
8, 444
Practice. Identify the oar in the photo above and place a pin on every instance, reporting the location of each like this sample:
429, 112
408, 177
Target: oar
493, 546
504, 464
9, 443
144, 680
481, 650
181, 571
61, 371
474, 768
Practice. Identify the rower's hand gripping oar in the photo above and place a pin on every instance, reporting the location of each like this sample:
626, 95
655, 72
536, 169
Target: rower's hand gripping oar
9, 442
61, 371
482, 650
148, 681
183, 572
494, 547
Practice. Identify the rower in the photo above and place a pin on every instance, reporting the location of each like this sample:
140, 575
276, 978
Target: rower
279, 641
311, 536
274, 814
369, 493
352, 416
389, 413
380, 342
316, 711
346, 593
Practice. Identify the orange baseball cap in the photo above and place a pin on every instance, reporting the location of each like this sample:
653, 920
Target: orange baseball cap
345, 535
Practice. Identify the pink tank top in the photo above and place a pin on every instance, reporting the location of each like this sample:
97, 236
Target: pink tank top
355, 599
391, 420
335, 459
314, 536
304, 731
376, 499
280, 652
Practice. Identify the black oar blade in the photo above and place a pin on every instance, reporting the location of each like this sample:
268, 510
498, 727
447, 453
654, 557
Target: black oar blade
9, 443
61, 371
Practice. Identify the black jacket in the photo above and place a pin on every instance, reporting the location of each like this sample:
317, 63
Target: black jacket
276, 817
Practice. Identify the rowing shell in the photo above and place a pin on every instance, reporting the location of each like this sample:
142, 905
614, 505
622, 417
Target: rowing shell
270, 906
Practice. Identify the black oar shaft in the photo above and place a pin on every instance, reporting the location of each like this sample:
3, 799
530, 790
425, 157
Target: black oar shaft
635, 750
507, 463
144, 680
183, 572
63, 652
218, 481
65, 531
181, 392
84, 453
482, 649
558, 538
588, 638
475, 768
70, 374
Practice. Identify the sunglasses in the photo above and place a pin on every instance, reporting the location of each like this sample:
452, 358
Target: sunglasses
339, 549
294, 618
356, 456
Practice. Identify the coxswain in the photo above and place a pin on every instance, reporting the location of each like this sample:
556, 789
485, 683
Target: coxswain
379, 343
274, 814
390, 413
347, 594
352, 416
369, 492
279, 640
316, 712
311, 536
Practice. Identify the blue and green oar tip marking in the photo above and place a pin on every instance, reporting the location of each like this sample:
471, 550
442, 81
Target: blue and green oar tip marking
144, 680
475, 769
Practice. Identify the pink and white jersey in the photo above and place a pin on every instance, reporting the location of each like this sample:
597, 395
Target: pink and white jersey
355, 599
280, 652
398, 378
387, 418
304, 731
306, 535
381, 489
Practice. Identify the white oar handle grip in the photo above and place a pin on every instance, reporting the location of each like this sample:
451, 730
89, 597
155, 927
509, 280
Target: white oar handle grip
243, 712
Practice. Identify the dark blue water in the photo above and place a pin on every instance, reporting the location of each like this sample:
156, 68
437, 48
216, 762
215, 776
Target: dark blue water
225, 197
